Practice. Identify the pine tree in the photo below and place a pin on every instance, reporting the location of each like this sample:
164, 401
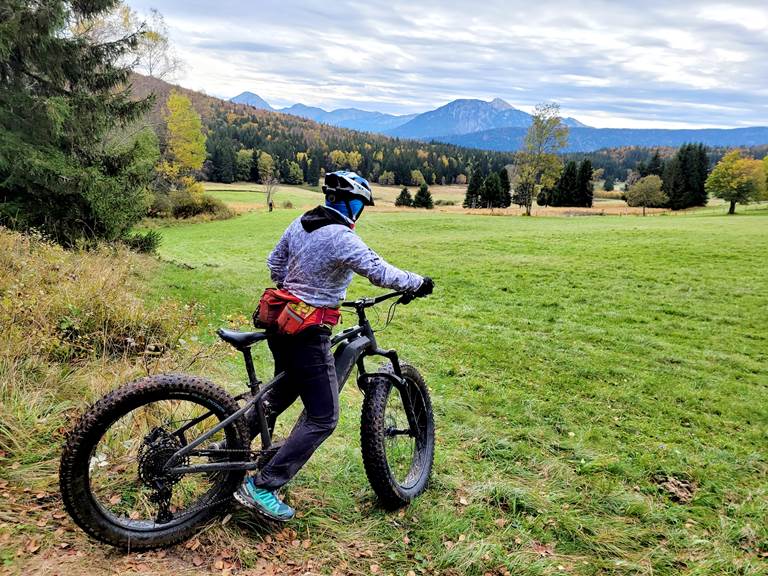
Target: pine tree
685, 176
472, 197
506, 189
655, 165
609, 184
61, 97
221, 153
490, 196
404, 199
423, 198
565, 192
585, 188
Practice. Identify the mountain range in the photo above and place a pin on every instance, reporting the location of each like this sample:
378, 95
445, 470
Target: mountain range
497, 125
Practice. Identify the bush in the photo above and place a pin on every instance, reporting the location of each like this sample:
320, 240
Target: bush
286, 204
423, 198
146, 243
186, 205
445, 203
74, 328
404, 198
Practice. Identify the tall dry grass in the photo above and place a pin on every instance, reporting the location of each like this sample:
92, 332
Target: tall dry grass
72, 326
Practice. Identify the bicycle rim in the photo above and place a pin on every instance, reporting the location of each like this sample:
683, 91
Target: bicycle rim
126, 472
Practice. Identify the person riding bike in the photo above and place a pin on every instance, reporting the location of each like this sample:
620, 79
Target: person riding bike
314, 263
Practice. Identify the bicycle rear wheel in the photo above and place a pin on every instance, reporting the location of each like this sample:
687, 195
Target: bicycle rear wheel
113, 476
398, 451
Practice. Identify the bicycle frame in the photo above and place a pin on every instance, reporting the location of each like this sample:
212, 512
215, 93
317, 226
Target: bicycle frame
352, 345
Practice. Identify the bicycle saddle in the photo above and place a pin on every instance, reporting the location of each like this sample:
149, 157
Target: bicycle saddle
240, 340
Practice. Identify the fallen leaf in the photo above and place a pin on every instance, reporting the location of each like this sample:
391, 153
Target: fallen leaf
306, 544
411, 573
406, 540
32, 546
448, 544
375, 568
295, 543
462, 537
500, 522
463, 501
115, 499
218, 563
40, 495
543, 549
197, 560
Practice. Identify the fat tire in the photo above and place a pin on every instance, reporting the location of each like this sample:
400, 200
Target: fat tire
372, 422
81, 441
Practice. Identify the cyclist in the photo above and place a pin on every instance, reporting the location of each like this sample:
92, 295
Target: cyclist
314, 262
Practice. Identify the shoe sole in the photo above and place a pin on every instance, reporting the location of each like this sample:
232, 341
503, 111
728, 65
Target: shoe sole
241, 500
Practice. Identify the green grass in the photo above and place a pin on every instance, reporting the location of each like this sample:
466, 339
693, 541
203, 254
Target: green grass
575, 364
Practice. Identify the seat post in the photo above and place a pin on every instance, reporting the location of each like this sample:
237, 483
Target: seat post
253, 380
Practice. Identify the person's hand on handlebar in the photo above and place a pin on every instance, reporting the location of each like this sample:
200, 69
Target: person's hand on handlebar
426, 288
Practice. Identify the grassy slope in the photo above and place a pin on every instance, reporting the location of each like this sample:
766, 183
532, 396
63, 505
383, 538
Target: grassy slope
575, 364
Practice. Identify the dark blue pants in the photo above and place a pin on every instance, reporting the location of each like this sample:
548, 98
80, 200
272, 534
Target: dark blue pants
310, 375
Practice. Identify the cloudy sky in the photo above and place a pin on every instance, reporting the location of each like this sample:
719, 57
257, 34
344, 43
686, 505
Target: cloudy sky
649, 63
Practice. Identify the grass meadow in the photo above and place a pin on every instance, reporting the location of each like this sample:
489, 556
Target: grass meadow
600, 389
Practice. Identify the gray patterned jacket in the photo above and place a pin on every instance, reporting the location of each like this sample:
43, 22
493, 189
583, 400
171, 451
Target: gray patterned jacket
318, 254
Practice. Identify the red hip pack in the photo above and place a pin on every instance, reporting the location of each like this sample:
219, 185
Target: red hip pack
282, 311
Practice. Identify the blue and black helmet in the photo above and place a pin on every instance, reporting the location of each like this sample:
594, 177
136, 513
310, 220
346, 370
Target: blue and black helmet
348, 193
343, 185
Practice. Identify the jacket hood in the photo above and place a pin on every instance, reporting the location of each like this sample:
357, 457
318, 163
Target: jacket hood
323, 216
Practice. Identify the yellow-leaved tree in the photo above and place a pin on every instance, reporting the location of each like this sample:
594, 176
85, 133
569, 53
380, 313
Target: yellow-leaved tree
737, 178
184, 156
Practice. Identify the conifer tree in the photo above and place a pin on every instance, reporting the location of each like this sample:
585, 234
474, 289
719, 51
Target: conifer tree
565, 192
490, 196
472, 197
423, 198
404, 198
61, 96
585, 188
506, 189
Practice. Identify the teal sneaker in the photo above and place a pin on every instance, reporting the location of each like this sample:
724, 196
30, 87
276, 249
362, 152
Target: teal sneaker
263, 501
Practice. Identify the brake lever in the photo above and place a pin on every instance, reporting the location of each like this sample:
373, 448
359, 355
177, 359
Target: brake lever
407, 298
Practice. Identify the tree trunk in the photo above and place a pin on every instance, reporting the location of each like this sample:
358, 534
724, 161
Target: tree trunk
732, 209
643, 209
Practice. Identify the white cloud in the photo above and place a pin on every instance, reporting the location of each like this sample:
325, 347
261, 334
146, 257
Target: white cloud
686, 63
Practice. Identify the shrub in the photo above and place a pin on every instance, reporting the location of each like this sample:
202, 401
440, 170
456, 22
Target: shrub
73, 328
404, 198
445, 202
74, 305
146, 243
287, 204
423, 198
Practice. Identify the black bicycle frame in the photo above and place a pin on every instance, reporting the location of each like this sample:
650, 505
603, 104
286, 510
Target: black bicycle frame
353, 345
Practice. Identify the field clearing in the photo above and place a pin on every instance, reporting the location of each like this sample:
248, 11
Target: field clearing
248, 197
600, 394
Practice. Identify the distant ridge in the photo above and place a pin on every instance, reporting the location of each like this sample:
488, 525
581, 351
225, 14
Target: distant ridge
584, 139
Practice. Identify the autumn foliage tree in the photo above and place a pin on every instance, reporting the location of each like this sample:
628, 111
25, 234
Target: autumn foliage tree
538, 164
646, 192
737, 178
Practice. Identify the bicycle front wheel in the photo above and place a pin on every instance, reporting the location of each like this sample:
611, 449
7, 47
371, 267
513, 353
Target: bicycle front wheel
397, 435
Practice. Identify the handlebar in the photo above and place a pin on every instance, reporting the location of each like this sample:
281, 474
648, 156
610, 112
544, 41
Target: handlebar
368, 302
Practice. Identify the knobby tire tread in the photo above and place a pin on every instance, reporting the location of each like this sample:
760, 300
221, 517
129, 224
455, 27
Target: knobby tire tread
73, 471
372, 423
